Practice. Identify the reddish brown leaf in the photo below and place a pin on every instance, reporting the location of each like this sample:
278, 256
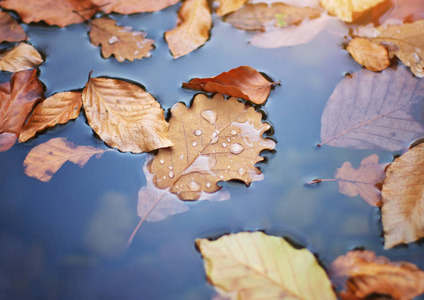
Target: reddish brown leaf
10, 30
227, 6
7, 140
243, 82
404, 10
133, 6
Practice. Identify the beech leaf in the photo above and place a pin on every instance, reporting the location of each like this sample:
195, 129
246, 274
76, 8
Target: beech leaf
349, 10
10, 30
20, 58
370, 110
119, 41
192, 31
371, 56
403, 200
227, 6
57, 109
133, 6
43, 161
243, 82
253, 265
361, 274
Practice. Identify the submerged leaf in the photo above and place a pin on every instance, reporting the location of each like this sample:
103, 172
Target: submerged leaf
348, 10
119, 41
253, 265
20, 58
133, 6
10, 30
227, 6
371, 56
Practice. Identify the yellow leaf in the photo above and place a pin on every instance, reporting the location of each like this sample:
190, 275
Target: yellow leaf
347, 10
371, 56
227, 6
20, 58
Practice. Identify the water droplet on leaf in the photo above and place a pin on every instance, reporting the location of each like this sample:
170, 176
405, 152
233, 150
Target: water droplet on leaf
209, 115
236, 148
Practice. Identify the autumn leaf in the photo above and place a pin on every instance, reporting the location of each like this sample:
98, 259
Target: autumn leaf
57, 109
124, 115
43, 161
403, 201
361, 274
10, 30
349, 10
407, 11
253, 265
192, 31
20, 58
228, 6
17, 98
243, 82
373, 57
133, 6
119, 41
370, 110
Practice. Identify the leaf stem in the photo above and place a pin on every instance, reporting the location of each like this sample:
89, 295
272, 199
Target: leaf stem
319, 180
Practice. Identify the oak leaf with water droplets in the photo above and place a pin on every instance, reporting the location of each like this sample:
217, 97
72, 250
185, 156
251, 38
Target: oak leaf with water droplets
10, 30
133, 6
20, 58
371, 56
349, 10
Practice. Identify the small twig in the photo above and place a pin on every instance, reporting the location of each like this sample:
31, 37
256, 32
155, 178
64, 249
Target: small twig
319, 180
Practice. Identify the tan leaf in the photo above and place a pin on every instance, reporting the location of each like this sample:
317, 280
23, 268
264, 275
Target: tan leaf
214, 140
20, 58
403, 200
124, 115
349, 10
57, 109
243, 82
253, 265
261, 15
133, 6
10, 30
192, 31
43, 161
371, 56
119, 41
227, 6
362, 274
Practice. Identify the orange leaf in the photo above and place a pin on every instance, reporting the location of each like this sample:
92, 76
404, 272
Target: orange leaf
227, 6
133, 6
20, 58
10, 30
371, 56
349, 10
243, 82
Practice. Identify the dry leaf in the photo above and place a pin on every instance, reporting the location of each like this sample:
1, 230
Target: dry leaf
45, 159
17, 98
349, 10
227, 6
407, 11
253, 265
20, 58
243, 82
373, 57
370, 110
362, 274
403, 201
214, 140
133, 6
53, 12
57, 109
124, 115
119, 41
261, 15
10, 30
192, 31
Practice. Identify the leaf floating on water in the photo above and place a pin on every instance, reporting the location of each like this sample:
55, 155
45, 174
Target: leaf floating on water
124, 115
119, 41
45, 159
10, 30
361, 274
374, 111
403, 200
407, 11
243, 82
349, 10
133, 6
20, 58
57, 109
373, 57
228, 6
254, 265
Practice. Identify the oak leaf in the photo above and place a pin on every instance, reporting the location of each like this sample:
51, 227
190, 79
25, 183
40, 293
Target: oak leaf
371, 56
124, 115
10, 30
133, 6
253, 265
361, 274
57, 109
370, 110
17, 98
20, 58
228, 6
403, 199
43, 161
349, 10
192, 31
243, 82
119, 41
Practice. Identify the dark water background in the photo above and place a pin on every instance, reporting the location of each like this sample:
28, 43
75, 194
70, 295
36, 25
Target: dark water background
66, 239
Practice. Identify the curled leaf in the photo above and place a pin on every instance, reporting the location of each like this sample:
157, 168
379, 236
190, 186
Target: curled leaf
371, 56
20, 58
227, 6
133, 6
10, 30
349, 10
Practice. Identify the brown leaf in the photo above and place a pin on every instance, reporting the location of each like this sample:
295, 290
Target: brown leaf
407, 11
361, 274
214, 140
124, 115
20, 58
119, 41
370, 110
259, 16
45, 159
133, 6
10, 30
192, 31
403, 201
349, 10
243, 82
227, 6
57, 109
373, 57
53, 12
17, 98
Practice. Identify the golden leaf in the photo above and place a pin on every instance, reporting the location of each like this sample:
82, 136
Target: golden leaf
254, 265
124, 115
371, 56
10, 30
20, 58
227, 6
133, 6
347, 10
